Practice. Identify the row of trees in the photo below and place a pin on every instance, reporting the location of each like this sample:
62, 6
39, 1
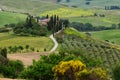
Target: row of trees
61, 0
90, 27
20, 49
114, 7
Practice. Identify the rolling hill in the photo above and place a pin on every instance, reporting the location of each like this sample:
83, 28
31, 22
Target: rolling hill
28, 6
92, 3
78, 43
110, 35
8, 18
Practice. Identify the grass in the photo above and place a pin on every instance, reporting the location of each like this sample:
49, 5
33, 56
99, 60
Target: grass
28, 6
111, 35
72, 31
111, 17
68, 12
7, 18
39, 43
93, 3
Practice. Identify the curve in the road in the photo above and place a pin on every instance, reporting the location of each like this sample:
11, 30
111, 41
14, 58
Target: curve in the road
55, 42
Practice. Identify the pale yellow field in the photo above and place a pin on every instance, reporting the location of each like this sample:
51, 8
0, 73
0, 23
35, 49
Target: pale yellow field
68, 12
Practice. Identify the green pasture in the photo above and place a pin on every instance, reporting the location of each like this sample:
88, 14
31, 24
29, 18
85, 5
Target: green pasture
38, 43
68, 12
7, 18
111, 17
28, 6
93, 3
111, 35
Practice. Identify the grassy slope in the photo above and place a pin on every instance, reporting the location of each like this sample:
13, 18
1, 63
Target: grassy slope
93, 3
94, 48
69, 12
111, 35
6, 18
39, 43
31, 6
111, 17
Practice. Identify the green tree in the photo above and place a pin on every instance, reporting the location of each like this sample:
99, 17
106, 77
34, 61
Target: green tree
3, 52
119, 26
116, 72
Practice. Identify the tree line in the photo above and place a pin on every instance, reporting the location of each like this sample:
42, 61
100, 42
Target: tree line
90, 27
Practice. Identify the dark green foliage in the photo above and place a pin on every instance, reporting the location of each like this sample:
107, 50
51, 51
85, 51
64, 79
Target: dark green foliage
55, 24
65, 23
32, 49
27, 46
9, 25
3, 60
12, 69
116, 72
90, 27
30, 27
58, 0
3, 56
119, 26
42, 69
3, 52
4, 29
59, 39
21, 48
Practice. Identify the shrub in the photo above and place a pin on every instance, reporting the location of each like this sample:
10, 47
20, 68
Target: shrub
116, 72
4, 29
76, 70
39, 71
12, 69
68, 69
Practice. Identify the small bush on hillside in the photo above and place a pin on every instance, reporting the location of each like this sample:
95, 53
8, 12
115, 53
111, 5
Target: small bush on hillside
116, 72
4, 30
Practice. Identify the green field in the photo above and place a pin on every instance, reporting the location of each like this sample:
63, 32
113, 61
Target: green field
68, 12
111, 35
93, 3
39, 43
7, 18
28, 6
111, 17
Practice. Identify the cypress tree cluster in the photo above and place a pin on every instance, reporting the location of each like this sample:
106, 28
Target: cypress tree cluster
55, 24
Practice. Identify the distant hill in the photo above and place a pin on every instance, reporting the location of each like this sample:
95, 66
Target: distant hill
31, 6
91, 3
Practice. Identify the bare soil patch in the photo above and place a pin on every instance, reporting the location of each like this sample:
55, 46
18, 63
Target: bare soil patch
26, 58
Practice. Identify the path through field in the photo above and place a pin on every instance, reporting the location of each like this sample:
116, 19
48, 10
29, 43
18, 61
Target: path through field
27, 58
